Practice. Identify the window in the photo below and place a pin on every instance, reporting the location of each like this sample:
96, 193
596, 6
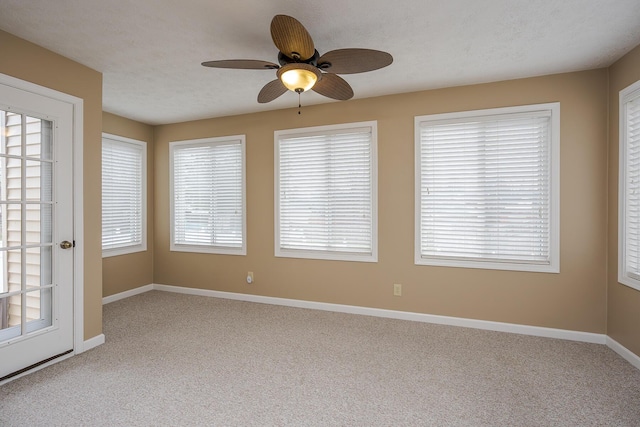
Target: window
629, 188
487, 189
208, 195
325, 192
124, 195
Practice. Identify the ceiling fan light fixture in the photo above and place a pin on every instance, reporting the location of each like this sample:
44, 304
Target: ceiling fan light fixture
299, 77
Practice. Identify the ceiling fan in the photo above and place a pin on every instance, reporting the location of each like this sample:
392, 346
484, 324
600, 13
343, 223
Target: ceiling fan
301, 67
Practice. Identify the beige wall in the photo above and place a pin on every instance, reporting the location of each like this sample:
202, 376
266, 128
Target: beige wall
623, 302
40, 66
124, 272
575, 299
578, 298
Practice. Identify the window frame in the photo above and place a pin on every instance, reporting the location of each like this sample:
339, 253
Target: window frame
327, 254
554, 191
210, 249
626, 95
142, 246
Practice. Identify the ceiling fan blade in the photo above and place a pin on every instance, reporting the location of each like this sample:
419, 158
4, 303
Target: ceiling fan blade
351, 61
271, 91
291, 38
242, 64
333, 86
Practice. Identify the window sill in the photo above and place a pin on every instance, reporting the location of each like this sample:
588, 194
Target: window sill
108, 253
629, 281
326, 255
554, 267
217, 250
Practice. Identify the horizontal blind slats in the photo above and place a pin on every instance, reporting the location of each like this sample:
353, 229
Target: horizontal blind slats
485, 188
122, 194
325, 186
632, 187
208, 202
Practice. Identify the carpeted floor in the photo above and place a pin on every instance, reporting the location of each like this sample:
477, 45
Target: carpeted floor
180, 360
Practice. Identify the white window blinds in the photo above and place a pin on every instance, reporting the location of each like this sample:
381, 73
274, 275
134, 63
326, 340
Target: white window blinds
629, 235
484, 186
208, 197
123, 195
325, 192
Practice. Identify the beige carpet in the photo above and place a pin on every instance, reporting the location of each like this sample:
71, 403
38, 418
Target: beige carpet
173, 359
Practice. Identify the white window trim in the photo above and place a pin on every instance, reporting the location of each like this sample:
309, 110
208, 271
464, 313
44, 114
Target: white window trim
554, 255
627, 94
4, 276
142, 247
329, 255
220, 250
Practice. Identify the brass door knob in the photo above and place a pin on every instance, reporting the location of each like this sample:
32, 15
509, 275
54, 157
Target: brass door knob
66, 244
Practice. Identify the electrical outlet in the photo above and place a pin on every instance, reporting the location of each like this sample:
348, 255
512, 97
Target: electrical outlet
250, 277
397, 289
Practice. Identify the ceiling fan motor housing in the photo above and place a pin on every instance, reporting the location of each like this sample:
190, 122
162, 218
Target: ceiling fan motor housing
284, 60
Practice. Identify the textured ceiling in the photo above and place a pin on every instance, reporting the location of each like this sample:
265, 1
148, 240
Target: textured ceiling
150, 51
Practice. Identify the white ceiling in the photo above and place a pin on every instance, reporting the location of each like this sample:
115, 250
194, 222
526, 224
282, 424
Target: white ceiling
150, 51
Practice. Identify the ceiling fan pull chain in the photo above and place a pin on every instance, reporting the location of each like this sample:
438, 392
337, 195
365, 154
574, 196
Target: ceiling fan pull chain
299, 104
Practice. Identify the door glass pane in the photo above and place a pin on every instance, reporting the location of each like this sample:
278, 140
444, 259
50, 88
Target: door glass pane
12, 182
11, 225
38, 311
4, 288
46, 259
10, 319
4, 313
13, 275
13, 131
46, 181
38, 180
38, 138
15, 310
38, 261
38, 223
26, 211
32, 264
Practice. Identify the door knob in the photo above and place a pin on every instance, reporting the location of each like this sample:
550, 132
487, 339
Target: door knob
66, 244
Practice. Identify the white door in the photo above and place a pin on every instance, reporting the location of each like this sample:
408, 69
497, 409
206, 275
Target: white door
36, 219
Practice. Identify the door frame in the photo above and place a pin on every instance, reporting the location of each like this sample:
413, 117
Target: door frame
78, 207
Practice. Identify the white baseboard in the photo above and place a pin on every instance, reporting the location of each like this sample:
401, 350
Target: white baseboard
624, 352
393, 314
127, 294
92, 343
